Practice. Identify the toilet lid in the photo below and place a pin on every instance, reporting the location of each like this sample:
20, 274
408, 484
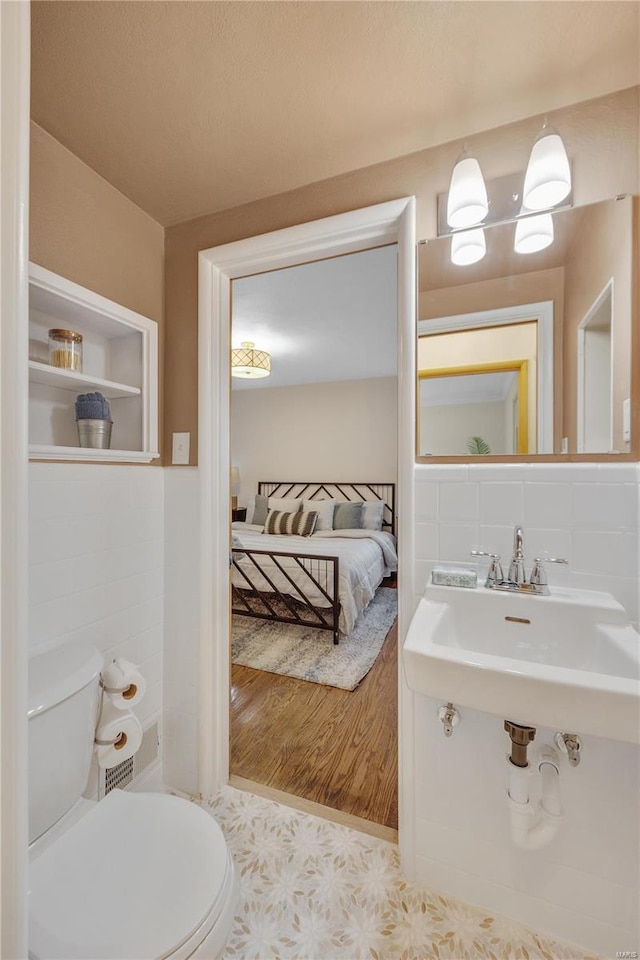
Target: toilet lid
133, 879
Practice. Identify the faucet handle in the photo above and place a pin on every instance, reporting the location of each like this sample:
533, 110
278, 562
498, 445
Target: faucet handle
538, 574
495, 574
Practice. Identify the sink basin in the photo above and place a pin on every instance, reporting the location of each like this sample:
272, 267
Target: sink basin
570, 661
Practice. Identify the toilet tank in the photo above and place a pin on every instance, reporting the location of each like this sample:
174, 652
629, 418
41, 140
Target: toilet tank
63, 705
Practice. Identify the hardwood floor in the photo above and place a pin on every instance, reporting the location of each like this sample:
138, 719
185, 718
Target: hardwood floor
334, 747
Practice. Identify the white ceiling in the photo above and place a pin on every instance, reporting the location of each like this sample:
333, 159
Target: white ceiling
478, 388
191, 107
329, 320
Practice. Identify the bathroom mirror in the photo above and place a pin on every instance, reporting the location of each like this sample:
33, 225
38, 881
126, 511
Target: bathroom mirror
525, 355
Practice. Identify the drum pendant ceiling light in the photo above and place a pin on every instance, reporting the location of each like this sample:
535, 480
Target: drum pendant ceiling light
247, 363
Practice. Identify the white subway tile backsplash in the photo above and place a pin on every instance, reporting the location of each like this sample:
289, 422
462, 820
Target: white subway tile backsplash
426, 502
458, 501
457, 540
501, 502
96, 538
599, 506
546, 504
426, 541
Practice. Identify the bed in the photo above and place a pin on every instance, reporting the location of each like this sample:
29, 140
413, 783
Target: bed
324, 580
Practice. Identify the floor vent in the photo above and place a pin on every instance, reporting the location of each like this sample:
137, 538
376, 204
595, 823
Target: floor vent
118, 776
124, 773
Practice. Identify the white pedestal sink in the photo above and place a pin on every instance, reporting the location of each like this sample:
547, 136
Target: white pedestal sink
570, 660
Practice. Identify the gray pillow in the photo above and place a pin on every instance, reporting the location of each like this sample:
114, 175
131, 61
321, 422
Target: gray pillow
348, 516
260, 510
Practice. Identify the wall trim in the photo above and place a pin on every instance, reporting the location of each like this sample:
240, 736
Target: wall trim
14, 325
392, 222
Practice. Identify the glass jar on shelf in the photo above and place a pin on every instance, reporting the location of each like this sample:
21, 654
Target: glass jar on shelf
65, 349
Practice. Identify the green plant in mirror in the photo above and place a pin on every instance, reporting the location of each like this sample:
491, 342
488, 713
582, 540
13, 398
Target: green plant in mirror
478, 447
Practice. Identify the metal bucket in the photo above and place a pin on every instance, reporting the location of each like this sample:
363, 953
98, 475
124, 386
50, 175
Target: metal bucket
95, 433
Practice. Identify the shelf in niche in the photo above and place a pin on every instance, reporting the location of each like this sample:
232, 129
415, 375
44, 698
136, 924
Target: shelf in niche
40, 451
76, 382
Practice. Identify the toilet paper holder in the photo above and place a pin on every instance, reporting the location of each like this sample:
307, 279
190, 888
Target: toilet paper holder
128, 692
118, 742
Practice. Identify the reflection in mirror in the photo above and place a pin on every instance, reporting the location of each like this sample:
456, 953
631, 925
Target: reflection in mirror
563, 315
477, 410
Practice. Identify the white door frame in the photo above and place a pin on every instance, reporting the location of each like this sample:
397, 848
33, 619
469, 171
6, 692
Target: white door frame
349, 232
14, 334
581, 348
541, 312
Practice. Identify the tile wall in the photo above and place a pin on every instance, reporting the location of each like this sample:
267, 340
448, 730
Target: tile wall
96, 542
585, 886
182, 623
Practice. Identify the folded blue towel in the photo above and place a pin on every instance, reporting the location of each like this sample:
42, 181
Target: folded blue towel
92, 406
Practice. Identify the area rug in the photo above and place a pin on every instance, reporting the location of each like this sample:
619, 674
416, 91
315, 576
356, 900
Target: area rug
310, 654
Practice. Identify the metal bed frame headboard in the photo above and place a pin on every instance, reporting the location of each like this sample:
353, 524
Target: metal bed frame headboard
336, 490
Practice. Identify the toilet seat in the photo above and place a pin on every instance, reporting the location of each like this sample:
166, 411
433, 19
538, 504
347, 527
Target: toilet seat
141, 877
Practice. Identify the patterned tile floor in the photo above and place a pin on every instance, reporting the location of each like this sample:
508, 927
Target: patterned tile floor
314, 890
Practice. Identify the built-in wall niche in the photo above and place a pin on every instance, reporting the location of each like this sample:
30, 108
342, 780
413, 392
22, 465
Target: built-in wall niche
120, 360
570, 310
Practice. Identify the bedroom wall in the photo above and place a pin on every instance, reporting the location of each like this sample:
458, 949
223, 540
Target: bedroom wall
601, 137
344, 430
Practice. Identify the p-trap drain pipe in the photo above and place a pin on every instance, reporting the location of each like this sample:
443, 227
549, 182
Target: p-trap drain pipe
532, 825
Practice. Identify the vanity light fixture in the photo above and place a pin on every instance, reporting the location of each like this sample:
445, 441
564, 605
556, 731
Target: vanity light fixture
467, 202
533, 233
247, 363
548, 178
468, 246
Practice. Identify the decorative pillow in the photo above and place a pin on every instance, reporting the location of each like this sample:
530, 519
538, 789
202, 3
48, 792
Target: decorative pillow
260, 510
348, 516
285, 504
324, 509
263, 504
298, 524
372, 514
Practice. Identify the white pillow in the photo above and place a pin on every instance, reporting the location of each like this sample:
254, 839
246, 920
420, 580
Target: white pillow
372, 514
324, 509
284, 504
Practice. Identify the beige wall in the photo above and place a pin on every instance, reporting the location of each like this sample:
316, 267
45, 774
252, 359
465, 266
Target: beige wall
85, 230
601, 252
602, 142
345, 430
444, 430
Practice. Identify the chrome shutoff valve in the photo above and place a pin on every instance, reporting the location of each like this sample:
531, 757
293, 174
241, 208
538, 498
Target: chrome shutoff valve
449, 718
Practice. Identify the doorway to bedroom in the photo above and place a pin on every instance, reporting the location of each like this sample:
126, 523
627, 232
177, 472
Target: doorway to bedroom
313, 470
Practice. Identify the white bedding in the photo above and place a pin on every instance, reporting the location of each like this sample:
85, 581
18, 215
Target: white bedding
366, 557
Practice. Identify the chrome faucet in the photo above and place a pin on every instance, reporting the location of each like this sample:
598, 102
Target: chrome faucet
517, 573
516, 580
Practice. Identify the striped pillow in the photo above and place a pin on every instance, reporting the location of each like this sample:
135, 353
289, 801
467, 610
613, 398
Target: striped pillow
299, 524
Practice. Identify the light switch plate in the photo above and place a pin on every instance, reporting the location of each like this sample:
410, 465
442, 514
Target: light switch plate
626, 420
180, 452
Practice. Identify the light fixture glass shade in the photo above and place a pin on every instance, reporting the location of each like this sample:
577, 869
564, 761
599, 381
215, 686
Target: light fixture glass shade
548, 178
533, 233
468, 247
247, 363
467, 202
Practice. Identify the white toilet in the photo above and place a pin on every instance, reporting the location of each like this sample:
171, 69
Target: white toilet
137, 876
